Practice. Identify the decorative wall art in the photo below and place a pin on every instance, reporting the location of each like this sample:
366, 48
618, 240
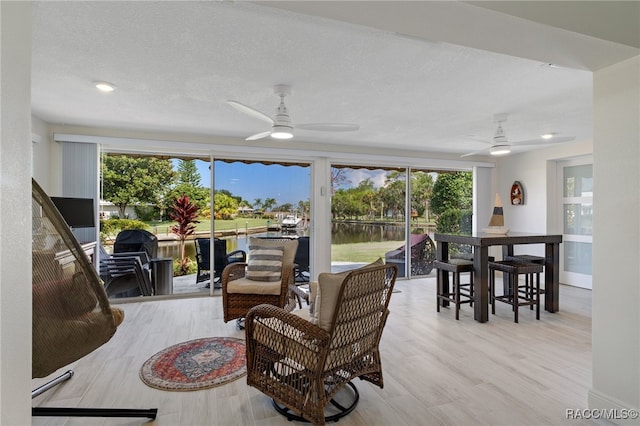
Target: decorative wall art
517, 194
496, 223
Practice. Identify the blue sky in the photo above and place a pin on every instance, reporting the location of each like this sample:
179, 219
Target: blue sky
287, 184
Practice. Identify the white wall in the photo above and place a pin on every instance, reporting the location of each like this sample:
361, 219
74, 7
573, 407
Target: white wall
47, 158
616, 238
41, 154
15, 213
532, 170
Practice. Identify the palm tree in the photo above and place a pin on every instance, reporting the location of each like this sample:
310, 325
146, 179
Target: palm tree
269, 203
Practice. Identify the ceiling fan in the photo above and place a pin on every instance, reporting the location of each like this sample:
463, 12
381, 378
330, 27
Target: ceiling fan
501, 145
281, 125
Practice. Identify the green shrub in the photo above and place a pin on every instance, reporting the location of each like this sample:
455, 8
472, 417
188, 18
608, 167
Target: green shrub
146, 213
187, 267
109, 228
455, 221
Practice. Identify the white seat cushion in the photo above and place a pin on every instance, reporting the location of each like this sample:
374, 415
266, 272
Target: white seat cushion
302, 313
247, 286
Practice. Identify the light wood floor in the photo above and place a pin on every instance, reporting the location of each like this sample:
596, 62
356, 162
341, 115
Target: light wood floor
437, 371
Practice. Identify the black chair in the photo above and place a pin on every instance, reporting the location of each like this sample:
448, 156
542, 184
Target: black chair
302, 260
125, 276
136, 240
220, 259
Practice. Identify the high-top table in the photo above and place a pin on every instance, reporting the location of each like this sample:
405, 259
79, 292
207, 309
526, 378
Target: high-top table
481, 243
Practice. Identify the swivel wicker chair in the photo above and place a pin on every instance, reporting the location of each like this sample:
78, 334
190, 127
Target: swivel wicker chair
303, 365
71, 312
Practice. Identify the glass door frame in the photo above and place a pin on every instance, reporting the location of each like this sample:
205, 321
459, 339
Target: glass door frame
567, 277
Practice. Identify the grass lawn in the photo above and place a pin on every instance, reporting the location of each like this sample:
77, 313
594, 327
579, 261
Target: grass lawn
203, 226
362, 252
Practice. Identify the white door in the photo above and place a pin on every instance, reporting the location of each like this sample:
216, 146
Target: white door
576, 211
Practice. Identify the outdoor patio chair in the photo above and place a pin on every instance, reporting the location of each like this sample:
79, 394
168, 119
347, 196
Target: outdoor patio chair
70, 310
302, 260
304, 364
136, 240
220, 259
121, 276
423, 253
265, 278
124, 275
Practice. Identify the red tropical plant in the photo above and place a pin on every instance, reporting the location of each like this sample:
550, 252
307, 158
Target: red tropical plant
185, 213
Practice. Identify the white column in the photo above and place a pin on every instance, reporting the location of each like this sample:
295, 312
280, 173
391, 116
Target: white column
320, 241
616, 239
15, 213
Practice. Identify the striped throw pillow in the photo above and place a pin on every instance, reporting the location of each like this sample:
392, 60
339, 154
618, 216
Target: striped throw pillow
265, 263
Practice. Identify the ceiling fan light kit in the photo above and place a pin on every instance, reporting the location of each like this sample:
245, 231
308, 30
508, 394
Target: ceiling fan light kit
281, 132
501, 145
498, 150
104, 86
281, 125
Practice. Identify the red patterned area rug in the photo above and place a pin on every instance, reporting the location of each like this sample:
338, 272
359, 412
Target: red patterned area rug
196, 364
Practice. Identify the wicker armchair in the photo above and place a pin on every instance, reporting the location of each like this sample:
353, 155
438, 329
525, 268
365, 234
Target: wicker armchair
240, 293
302, 366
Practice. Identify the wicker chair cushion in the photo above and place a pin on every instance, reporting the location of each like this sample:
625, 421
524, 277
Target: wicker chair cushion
247, 286
289, 248
265, 263
323, 302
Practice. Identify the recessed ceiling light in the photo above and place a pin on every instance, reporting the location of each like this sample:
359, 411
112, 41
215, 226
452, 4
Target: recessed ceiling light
103, 86
547, 135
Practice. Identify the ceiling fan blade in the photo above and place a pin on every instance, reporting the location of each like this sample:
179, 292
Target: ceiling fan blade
540, 141
250, 111
258, 136
329, 127
479, 139
473, 153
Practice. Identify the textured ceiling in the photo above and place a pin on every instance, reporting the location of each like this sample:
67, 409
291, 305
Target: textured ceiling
176, 63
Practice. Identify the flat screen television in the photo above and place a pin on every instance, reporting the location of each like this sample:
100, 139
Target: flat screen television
77, 212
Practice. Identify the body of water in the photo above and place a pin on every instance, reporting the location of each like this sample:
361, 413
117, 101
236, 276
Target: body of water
341, 233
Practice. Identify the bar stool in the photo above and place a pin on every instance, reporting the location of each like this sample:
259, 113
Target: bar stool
459, 293
528, 281
469, 257
515, 298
